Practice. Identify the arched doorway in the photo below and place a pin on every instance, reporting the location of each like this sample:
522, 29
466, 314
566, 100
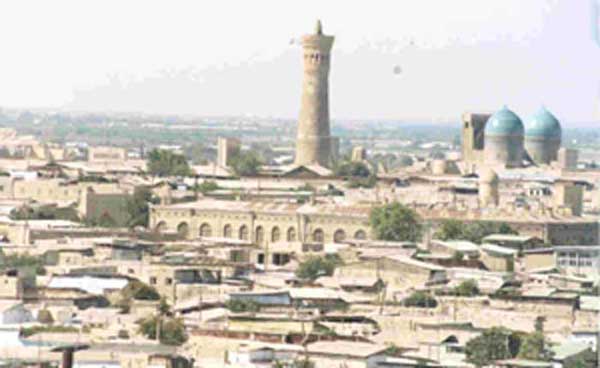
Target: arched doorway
161, 227
339, 236
183, 229
259, 235
360, 235
227, 231
318, 236
205, 230
291, 234
243, 232
275, 234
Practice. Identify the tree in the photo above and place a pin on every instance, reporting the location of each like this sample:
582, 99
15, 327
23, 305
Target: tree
466, 288
167, 163
505, 228
137, 290
360, 182
534, 344
450, 230
395, 222
493, 344
473, 232
315, 266
138, 207
405, 161
24, 263
241, 306
420, 299
163, 307
246, 163
533, 347
172, 330
352, 169
207, 186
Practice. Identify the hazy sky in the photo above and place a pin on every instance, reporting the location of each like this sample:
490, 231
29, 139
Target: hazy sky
238, 57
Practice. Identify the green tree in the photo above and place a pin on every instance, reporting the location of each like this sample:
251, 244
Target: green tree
352, 169
167, 163
138, 290
207, 186
505, 228
246, 163
395, 222
241, 306
450, 230
404, 161
466, 288
172, 330
493, 344
138, 207
25, 263
533, 347
473, 232
361, 182
420, 299
316, 266
163, 307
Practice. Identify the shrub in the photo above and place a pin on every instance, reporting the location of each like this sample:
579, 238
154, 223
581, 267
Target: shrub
241, 306
420, 299
467, 288
172, 330
139, 291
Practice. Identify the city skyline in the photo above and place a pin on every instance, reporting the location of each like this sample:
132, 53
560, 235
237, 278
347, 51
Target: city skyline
408, 63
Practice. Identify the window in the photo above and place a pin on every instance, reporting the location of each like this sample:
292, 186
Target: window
243, 232
275, 234
259, 236
291, 234
318, 236
168, 281
153, 281
205, 230
183, 229
360, 235
339, 236
227, 231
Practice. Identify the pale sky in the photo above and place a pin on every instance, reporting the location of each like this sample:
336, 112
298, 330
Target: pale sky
236, 57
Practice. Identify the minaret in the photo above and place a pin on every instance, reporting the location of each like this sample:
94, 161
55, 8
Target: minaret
313, 144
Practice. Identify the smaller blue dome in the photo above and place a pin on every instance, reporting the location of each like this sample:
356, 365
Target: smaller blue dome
543, 124
504, 122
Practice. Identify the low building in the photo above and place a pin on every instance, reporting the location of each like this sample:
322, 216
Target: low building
397, 272
326, 354
498, 258
578, 260
516, 242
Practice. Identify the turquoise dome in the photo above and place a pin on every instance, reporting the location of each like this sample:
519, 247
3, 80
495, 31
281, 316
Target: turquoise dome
504, 122
543, 124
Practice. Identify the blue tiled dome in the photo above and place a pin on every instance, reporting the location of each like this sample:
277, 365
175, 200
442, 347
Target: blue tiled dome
543, 124
504, 122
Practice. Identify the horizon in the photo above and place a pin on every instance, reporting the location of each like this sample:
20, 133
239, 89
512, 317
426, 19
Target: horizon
547, 57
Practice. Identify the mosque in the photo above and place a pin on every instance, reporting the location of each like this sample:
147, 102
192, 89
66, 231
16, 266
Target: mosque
502, 140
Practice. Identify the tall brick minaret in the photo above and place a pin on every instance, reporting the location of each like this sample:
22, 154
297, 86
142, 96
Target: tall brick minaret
313, 144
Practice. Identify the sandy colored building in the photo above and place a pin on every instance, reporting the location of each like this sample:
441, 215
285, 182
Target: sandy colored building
263, 222
103, 153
